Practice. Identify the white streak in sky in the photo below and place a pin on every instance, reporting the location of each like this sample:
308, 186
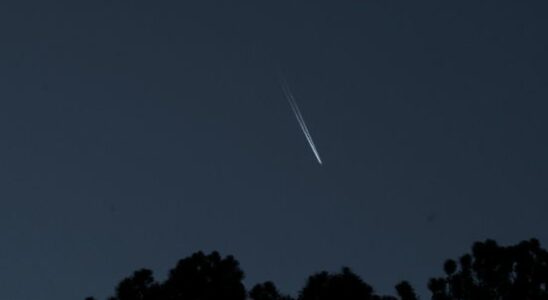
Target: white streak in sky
299, 116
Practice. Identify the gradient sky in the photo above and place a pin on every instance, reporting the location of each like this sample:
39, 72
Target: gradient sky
134, 133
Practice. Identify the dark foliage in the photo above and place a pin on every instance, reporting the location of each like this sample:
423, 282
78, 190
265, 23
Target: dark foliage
267, 291
493, 272
406, 291
205, 277
140, 286
490, 272
199, 277
342, 286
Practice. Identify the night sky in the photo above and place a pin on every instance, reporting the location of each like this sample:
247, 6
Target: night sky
134, 133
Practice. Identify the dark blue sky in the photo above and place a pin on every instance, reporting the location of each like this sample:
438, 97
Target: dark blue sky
134, 133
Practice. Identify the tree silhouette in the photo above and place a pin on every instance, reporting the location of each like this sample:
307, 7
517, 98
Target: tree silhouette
205, 277
140, 286
493, 272
267, 291
406, 291
198, 277
490, 272
339, 286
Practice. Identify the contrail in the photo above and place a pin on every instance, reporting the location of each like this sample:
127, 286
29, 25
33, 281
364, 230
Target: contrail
299, 116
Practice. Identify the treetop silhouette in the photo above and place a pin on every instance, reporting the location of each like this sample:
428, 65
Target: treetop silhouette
495, 272
489, 272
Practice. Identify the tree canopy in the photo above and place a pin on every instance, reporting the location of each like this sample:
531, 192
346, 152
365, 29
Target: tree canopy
493, 272
198, 277
489, 272
267, 291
